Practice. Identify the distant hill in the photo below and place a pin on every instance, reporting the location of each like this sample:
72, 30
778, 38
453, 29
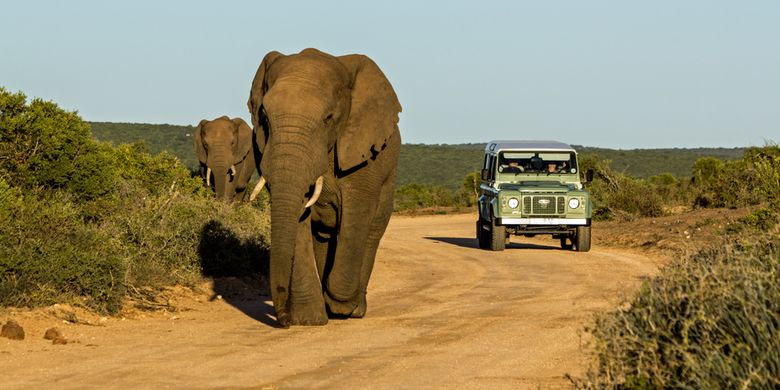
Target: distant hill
644, 163
177, 140
445, 165
442, 164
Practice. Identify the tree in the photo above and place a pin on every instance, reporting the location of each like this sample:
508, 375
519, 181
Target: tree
45, 147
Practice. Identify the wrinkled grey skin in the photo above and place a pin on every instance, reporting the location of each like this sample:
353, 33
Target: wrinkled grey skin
335, 117
221, 144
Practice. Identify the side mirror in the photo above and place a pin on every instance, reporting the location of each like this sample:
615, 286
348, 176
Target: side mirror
485, 174
589, 175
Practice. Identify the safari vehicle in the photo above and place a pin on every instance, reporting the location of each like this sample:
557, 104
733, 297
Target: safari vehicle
530, 188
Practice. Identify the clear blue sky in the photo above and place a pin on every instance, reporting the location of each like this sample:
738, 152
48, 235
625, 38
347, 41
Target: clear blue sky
620, 74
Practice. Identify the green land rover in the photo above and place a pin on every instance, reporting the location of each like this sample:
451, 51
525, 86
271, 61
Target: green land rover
530, 188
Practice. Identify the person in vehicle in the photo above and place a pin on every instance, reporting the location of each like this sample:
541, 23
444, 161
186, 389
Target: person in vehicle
554, 168
514, 166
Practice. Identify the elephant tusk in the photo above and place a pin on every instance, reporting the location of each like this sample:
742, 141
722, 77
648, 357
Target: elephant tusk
316, 194
232, 170
258, 187
208, 177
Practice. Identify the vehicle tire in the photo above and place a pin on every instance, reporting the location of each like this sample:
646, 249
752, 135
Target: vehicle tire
565, 243
582, 239
497, 237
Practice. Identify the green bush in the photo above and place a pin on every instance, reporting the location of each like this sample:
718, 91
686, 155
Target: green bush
759, 221
617, 195
468, 194
416, 196
172, 242
44, 146
708, 321
752, 180
48, 254
86, 223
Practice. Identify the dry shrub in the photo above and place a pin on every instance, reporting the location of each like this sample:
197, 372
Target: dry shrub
618, 196
50, 253
711, 320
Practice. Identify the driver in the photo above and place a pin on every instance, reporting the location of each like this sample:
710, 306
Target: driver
515, 166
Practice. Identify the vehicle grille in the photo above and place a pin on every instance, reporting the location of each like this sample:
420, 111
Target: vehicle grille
544, 205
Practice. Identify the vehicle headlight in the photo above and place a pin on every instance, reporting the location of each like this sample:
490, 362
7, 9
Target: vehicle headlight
574, 203
513, 203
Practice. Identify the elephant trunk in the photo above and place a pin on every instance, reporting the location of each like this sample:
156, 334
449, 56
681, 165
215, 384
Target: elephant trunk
221, 182
287, 207
222, 168
291, 165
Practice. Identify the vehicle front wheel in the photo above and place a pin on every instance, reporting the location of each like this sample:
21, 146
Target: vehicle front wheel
582, 239
497, 237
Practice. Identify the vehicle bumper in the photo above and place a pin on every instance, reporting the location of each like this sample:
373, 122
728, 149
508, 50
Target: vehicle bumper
543, 221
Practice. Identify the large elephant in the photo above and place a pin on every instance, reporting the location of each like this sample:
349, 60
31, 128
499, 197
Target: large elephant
327, 131
225, 149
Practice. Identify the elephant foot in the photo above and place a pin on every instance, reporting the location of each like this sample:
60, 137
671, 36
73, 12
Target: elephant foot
340, 308
308, 314
283, 319
360, 310
309, 319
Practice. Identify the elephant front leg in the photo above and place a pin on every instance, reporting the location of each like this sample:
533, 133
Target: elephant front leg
307, 306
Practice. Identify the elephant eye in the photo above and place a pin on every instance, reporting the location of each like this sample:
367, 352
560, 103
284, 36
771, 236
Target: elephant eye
329, 117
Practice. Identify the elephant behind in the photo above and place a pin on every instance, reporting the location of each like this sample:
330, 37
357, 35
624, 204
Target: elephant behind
326, 128
225, 149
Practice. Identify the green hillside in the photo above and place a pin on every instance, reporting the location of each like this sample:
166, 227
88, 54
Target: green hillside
644, 163
442, 164
177, 140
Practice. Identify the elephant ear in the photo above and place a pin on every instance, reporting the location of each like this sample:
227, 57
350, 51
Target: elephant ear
243, 140
373, 117
200, 151
259, 88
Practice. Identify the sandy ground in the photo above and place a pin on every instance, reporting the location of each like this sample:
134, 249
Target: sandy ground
442, 314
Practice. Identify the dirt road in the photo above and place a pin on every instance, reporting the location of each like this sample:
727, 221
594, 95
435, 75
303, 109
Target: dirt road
442, 314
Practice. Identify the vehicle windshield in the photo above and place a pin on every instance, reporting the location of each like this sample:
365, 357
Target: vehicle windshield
537, 162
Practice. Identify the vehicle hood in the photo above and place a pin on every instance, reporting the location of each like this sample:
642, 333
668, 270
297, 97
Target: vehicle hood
538, 186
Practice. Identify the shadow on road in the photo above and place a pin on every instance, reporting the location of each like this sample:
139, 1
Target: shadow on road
239, 269
244, 295
458, 241
472, 243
